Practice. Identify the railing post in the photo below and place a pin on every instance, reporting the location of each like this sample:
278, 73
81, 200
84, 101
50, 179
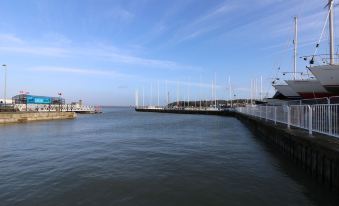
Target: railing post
310, 119
266, 113
275, 115
329, 110
288, 117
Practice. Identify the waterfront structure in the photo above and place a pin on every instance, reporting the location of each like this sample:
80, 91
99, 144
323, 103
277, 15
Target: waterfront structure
24, 102
33, 99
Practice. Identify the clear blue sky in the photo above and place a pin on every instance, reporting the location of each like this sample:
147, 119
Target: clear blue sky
101, 51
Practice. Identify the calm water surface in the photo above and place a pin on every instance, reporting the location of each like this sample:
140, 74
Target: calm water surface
126, 158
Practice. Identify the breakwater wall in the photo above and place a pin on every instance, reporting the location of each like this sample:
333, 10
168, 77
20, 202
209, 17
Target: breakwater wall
181, 111
21, 117
317, 155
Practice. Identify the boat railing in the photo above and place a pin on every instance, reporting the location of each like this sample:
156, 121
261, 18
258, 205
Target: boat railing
320, 59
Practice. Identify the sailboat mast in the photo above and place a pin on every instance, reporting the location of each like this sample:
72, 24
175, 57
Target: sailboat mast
137, 98
215, 90
295, 47
166, 93
158, 94
143, 96
260, 87
230, 90
331, 27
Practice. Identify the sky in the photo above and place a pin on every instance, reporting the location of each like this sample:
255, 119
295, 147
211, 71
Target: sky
103, 51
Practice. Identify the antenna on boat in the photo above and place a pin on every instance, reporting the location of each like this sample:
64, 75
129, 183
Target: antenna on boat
295, 42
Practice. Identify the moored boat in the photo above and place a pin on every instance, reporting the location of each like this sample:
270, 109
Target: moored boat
328, 73
308, 88
286, 91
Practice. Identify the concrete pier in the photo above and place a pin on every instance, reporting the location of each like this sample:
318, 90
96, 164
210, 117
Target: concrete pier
21, 117
183, 111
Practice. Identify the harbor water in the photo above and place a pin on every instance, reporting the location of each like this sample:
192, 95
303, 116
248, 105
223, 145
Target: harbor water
123, 157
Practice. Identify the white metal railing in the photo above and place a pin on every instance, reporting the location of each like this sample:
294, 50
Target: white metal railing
321, 118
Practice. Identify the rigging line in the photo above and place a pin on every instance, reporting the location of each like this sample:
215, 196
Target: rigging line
289, 41
282, 54
323, 30
288, 45
301, 11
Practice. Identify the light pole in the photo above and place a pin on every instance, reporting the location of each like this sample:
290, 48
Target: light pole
5, 88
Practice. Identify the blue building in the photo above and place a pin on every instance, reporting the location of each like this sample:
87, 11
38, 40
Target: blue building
33, 99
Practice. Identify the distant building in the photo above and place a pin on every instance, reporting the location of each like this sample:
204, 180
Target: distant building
8, 101
33, 99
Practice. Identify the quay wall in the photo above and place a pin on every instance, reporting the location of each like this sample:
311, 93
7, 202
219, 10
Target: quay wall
317, 155
205, 112
21, 117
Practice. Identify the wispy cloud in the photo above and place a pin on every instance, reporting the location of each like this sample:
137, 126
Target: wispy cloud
10, 38
135, 60
120, 14
205, 23
35, 50
221, 16
107, 54
72, 70
56, 38
192, 84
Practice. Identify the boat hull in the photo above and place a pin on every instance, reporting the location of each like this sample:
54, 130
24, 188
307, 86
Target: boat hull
308, 89
287, 91
328, 75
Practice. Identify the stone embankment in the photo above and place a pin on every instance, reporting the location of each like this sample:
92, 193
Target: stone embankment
21, 117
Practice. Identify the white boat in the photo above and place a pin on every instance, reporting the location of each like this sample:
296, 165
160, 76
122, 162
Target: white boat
287, 91
308, 88
328, 74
